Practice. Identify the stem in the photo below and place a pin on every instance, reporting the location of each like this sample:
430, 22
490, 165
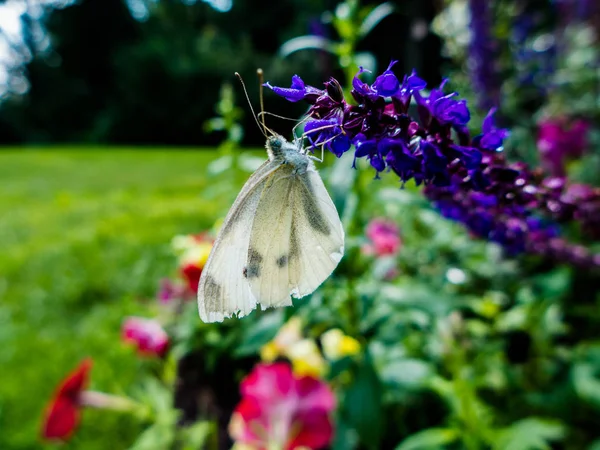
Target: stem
101, 400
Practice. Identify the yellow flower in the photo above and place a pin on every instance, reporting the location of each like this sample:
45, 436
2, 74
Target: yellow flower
337, 345
307, 359
289, 334
269, 352
197, 254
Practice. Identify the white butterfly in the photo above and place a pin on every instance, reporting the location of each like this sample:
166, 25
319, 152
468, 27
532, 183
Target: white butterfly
281, 237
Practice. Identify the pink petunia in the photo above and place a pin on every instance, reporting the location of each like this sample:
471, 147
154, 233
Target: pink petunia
281, 410
384, 236
147, 334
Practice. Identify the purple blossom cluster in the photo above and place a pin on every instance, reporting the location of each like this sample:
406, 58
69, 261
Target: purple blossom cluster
381, 130
466, 177
520, 210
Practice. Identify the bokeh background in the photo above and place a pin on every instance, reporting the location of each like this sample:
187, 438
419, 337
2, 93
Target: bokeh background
125, 137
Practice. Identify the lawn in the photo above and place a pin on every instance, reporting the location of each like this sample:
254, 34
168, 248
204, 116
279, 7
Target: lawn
85, 239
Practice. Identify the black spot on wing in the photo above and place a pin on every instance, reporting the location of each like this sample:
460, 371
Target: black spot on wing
212, 294
315, 219
282, 261
255, 259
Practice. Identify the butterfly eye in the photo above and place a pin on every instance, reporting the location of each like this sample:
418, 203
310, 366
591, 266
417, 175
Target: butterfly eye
275, 143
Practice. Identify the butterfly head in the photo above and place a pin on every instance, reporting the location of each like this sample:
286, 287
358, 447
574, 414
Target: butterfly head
276, 145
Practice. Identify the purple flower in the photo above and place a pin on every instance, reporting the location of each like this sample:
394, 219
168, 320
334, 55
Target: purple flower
434, 164
386, 84
381, 130
297, 91
370, 149
444, 108
519, 212
448, 110
362, 89
400, 159
492, 138
327, 132
467, 178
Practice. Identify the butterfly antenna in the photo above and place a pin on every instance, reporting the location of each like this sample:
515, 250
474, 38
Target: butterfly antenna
261, 126
298, 124
261, 80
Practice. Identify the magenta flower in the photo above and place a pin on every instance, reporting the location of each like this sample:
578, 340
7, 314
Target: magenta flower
169, 291
558, 140
282, 411
147, 334
384, 236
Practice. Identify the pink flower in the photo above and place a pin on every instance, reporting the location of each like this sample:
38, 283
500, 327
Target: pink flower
280, 410
147, 334
384, 236
169, 291
559, 139
63, 413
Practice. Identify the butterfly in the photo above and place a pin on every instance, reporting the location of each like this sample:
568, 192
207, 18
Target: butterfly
282, 237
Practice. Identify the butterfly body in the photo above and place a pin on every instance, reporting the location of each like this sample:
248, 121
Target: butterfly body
281, 237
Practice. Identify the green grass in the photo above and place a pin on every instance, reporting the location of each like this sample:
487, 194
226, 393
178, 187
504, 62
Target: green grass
84, 238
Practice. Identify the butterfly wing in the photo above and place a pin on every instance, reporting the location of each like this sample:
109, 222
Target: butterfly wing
297, 238
223, 289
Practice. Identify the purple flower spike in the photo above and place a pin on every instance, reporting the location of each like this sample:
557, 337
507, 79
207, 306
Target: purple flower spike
467, 178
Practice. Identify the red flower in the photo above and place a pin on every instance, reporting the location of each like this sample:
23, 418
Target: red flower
62, 414
385, 237
280, 410
147, 334
194, 251
191, 273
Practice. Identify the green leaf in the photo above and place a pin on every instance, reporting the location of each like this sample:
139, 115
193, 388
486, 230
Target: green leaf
260, 332
197, 435
345, 437
585, 382
406, 372
362, 406
306, 43
532, 433
159, 436
375, 17
431, 438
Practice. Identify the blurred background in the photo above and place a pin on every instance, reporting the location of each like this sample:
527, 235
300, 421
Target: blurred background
70, 77
124, 139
